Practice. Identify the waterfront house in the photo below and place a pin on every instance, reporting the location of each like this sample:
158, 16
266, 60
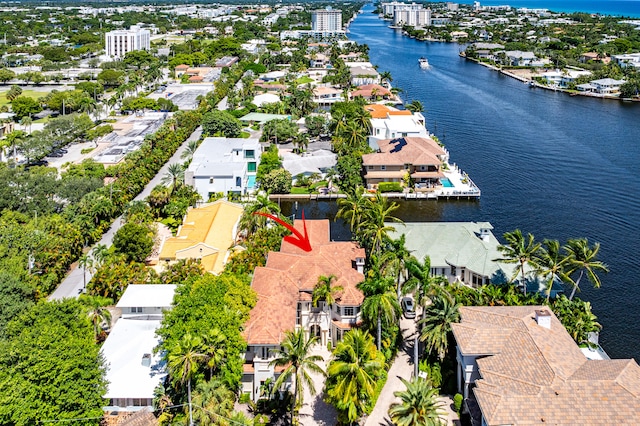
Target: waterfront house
389, 123
134, 370
607, 86
517, 365
284, 287
363, 74
420, 158
371, 92
325, 96
594, 57
518, 58
226, 165
628, 60
207, 233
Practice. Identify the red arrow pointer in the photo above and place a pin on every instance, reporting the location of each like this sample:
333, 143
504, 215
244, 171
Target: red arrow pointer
297, 239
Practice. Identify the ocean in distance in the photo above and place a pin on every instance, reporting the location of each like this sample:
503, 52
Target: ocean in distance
627, 8
554, 165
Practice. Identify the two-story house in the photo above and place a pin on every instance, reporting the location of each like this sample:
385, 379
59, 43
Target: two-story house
517, 365
420, 158
226, 165
134, 370
285, 287
390, 123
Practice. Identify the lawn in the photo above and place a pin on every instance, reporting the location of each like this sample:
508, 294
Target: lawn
30, 93
304, 80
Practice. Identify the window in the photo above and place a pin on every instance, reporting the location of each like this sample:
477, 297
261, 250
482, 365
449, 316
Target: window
423, 168
383, 167
136, 310
238, 181
453, 270
348, 311
337, 309
210, 180
251, 167
249, 153
369, 167
264, 352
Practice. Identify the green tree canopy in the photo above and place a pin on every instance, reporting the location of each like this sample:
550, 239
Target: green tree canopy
24, 106
134, 241
221, 123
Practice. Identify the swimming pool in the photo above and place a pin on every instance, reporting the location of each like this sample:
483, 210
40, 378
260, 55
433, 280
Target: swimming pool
446, 183
251, 181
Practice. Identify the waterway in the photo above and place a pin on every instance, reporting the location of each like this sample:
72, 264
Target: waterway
557, 166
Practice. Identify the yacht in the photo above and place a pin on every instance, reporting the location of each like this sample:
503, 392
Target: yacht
424, 63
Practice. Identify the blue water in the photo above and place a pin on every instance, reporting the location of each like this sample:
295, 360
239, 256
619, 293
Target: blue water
446, 183
557, 166
629, 8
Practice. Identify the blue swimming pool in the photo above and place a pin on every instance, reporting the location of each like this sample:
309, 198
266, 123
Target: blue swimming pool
446, 183
251, 182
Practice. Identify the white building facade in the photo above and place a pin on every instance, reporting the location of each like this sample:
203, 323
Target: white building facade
326, 20
119, 42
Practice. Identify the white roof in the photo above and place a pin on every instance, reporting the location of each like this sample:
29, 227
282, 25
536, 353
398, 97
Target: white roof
123, 350
147, 296
266, 98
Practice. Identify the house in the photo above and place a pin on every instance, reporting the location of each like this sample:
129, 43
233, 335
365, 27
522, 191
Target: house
284, 287
226, 165
181, 69
628, 60
371, 92
265, 98
362, 74
318, 60
607, 86
134, 370
315, 162
421, 158
226, 61
272, 76
519, 58
517, 365
389, 123
593, 57
459, 251
207, 233
326, 95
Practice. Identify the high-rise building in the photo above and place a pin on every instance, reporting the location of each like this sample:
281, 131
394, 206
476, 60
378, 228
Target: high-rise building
119, 42
326, 20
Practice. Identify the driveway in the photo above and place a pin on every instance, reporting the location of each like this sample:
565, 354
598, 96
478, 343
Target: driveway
73, 284
314, 411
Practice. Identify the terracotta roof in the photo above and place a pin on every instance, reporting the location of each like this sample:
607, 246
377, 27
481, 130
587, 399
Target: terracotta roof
290, 276
409, 150
536, 375
182, 67
196, 78
367, 90
377, 110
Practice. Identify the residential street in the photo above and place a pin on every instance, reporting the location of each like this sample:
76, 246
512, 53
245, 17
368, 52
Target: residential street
73, 284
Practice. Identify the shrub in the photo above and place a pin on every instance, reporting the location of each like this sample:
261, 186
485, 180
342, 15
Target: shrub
389, 187
457, 403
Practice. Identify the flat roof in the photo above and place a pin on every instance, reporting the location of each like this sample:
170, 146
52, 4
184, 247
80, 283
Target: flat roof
123, 351
147, 296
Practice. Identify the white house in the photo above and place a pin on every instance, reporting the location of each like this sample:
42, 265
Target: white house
133, 370
399, 124
607, 86
362, 74
226, 165
518, 58
285, 286
628, 60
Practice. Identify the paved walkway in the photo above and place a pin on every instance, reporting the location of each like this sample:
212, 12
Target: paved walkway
73, 284
314, 411
402, 367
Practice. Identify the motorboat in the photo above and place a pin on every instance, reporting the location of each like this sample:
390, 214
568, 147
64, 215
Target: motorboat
424, 63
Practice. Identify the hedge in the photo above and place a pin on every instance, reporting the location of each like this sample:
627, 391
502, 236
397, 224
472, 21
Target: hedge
389, 187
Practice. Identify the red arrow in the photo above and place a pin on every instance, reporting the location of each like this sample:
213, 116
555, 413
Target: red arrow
297, 239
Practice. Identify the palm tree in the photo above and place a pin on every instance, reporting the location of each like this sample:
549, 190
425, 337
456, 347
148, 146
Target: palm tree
183, 359
353, 374
174, 176
352, 207
99, 315
420, 280
395, 259
251, 222
189, 150
324, 291
436, 324
419, 405
519, 250
415, 106
214, 403
26, 121
86, 263
376, 214
380, 305
551, 264
584, 259
386, 76
214, 343
295, 356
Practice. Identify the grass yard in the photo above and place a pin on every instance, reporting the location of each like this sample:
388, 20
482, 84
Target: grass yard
30, 93
304, 80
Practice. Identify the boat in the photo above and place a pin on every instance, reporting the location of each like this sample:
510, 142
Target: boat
424, 63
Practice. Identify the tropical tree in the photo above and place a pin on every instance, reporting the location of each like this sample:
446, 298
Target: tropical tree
352, 207
98, 313
183, 360
583, 258
189, 150
353, 374
380, 305
214, 349
174, 176
295, 356
250, 222
419, 405
212, 403
386, 76
415, 106
377, 213
323, 291
552, 264
395, 259
420, 280
436, 324
86, 263
99, 254
519, 250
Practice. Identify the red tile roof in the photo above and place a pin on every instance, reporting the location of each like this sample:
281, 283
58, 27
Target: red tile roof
290, 276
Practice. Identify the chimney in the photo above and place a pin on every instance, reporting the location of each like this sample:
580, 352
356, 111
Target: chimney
146, 360
360, 264
484, 234
543, 318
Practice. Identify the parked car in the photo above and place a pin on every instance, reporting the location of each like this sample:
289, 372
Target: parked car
55, 154
408, 307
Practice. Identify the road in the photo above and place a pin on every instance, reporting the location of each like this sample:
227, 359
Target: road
74, 282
